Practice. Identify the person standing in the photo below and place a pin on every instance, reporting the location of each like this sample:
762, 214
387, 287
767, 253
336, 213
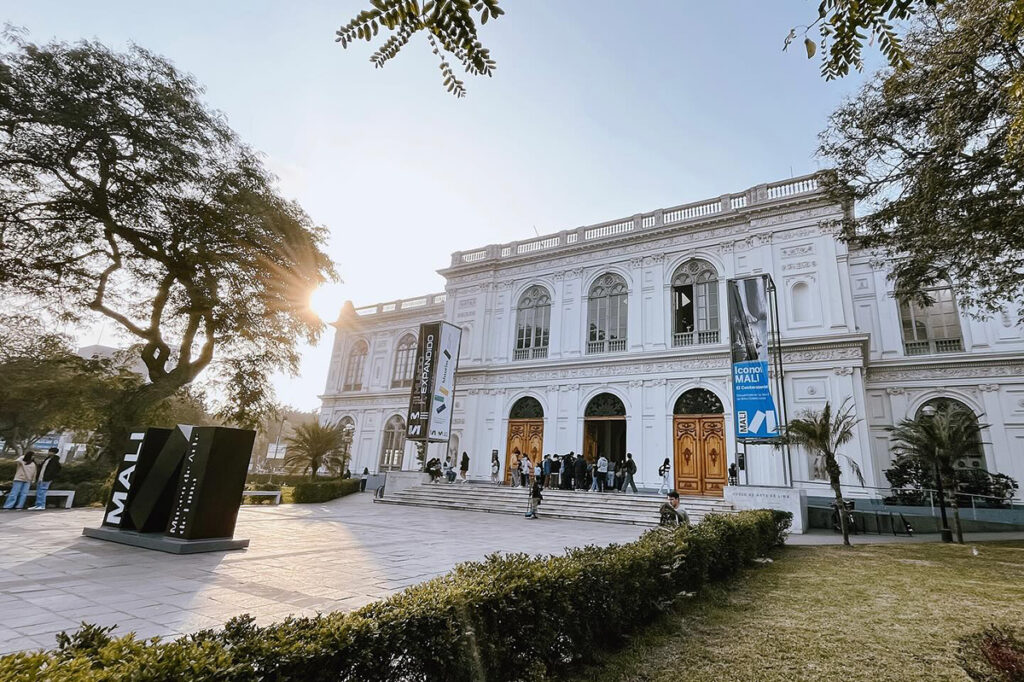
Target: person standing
513, 470
525, 469
568, 470
579, 472
665, 471
628, 470
602, 473
464, 467
546, 468
48, 471
363, 478
495, 468
670, 513
24, 474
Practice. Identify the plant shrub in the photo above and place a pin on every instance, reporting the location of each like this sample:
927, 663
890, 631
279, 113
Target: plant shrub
261, 486
466, 625
322, 491
993, 655
281, 479
7, 469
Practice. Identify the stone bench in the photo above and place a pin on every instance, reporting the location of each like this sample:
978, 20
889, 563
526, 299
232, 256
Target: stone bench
68, 495
276, 494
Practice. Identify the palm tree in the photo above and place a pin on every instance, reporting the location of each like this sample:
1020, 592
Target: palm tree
823, 434
314, 445
937, 440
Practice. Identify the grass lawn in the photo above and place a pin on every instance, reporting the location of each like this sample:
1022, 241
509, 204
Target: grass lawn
871, 612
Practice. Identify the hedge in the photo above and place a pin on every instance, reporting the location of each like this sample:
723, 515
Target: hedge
509, 617
91, 481
282, 479
322, 491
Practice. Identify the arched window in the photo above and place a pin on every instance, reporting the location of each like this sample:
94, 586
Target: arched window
526, 408
392, 448
605, 405
800, 300
405, 358
934, 328
356, 363
607, 315
698, 401
533, 322
695, 304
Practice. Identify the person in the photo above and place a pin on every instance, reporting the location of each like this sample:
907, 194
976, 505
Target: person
48, 471
535, 497
434, 469
513, 469
495, 468
628, 469
569, 469
24, 474
449, 471
671, 514
579, 473
546, 469
347, 474
620, 472
525, 470
464, 467
734, 474
665, 471
602, 473
363, 478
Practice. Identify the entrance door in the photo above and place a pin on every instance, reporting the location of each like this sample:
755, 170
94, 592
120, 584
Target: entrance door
604, 436
525, 436
700, 465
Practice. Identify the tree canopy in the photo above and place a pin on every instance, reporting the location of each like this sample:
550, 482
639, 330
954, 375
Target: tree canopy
452, 28
928, 155
123, 194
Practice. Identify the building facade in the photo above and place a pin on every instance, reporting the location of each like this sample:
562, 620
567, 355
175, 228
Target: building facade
613, 338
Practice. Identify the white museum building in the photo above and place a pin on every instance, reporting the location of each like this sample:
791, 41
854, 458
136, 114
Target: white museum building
613, 338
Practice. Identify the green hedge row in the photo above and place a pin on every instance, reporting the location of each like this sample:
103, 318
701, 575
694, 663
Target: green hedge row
322, 491
91, 481
281, 479
510, 617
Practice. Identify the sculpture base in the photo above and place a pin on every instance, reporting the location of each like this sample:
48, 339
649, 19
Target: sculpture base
162, 543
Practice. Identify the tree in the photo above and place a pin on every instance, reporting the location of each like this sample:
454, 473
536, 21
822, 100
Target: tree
122, 194
45, 387
937, 442
314, 445
932, 155
823, 434
451, 26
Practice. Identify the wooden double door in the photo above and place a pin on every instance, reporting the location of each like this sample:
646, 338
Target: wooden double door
525, 436
700, 461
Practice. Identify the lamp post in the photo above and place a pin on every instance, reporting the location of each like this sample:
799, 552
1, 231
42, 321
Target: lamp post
928, 411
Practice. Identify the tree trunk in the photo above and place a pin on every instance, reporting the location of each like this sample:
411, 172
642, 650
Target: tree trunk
956, 518
832, 466
128, 412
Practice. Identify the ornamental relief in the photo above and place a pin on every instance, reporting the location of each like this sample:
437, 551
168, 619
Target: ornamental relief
805, 214
892, 375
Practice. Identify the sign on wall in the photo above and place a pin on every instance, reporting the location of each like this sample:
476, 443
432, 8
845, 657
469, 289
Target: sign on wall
433, 386
753, 404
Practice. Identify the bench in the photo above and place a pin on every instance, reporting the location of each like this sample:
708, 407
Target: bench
276, 494
68, 495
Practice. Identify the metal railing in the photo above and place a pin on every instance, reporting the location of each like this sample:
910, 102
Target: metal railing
535, 353
931, 495
691, 338
606, 346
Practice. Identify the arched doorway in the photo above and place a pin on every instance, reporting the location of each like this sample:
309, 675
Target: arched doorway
604, 428
698, 434
973, 459
525, 432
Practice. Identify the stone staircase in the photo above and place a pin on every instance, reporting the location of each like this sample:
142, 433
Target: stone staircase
639, 509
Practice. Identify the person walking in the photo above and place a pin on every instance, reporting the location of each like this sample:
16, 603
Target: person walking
513, 470
48, 471
495, 468
665, 471
464, 467
628, 469
24, 475
602, 473
535, 498
363, 478
620, 473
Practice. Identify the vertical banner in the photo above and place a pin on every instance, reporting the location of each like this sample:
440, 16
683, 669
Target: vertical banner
433, 387
756, 416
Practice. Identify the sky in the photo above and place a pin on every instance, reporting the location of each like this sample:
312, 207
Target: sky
598, 109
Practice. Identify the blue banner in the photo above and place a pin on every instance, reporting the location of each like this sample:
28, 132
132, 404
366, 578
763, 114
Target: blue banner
756, 416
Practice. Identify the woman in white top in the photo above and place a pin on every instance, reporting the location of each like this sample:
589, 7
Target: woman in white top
24, 474
665, 470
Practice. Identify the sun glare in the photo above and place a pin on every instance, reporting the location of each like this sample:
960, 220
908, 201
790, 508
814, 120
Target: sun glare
326, 301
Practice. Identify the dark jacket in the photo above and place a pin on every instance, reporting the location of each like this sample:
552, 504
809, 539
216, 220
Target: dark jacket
580, 468
631, 466
49, 469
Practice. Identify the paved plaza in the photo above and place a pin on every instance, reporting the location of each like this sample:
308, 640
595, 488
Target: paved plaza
302, 559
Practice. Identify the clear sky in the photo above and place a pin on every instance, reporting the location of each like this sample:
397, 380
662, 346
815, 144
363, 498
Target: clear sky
599, 109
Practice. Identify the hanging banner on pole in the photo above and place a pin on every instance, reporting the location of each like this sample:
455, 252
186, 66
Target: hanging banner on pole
755, 412
433, 385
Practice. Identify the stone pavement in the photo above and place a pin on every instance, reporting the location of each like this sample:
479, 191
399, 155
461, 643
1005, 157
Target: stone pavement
302, 559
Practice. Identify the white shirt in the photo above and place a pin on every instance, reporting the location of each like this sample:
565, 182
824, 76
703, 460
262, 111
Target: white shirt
602, 464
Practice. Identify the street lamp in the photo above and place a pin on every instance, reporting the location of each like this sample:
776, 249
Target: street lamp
928, 411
